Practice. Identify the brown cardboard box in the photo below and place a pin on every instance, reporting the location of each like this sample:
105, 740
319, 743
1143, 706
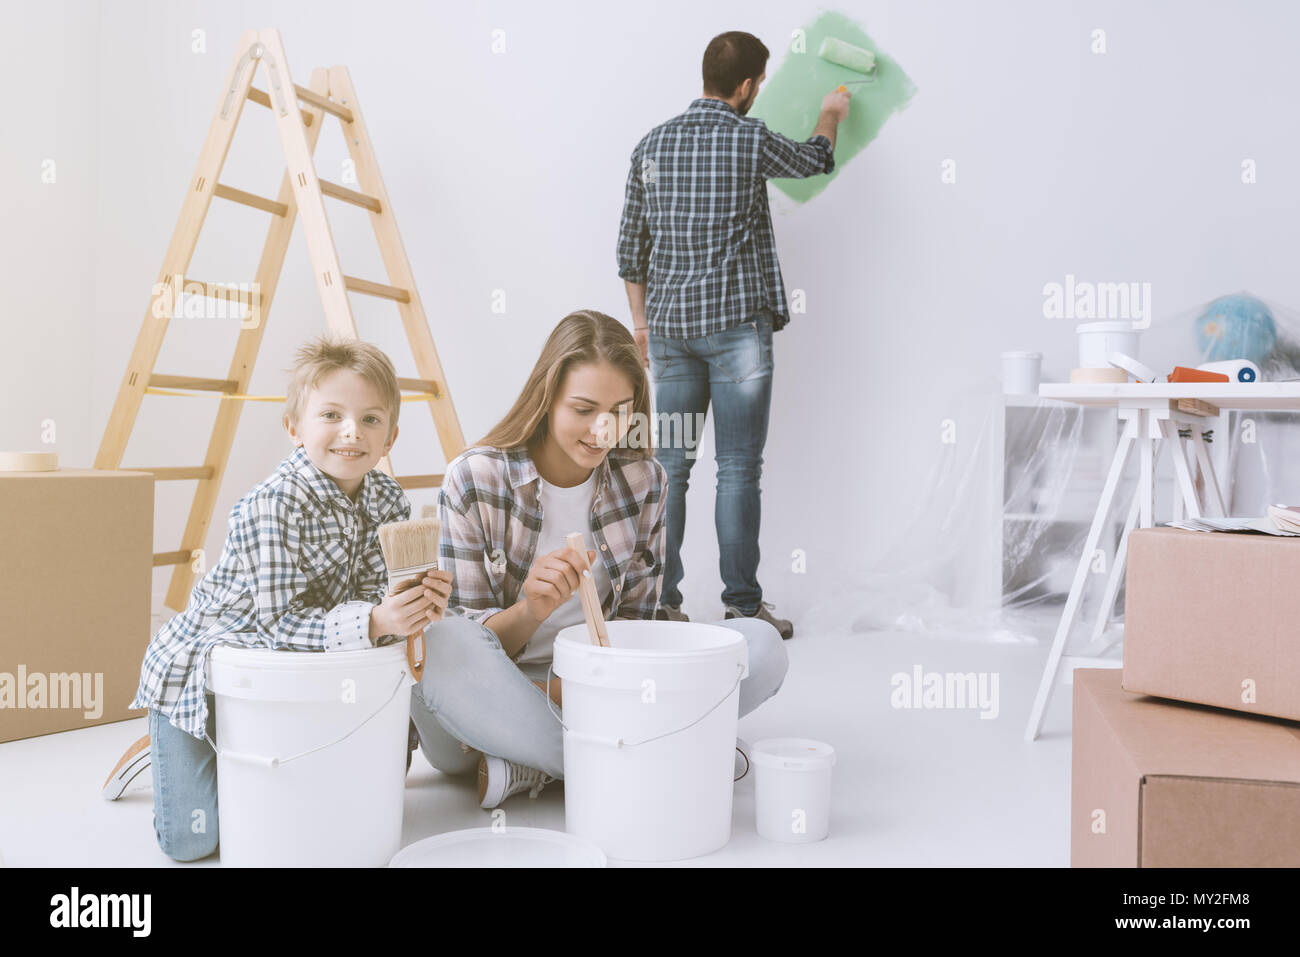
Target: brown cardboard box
1158, 783
1214, 617
76, 572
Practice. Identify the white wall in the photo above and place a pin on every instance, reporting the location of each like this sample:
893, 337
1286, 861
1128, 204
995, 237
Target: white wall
49, 167
506, 172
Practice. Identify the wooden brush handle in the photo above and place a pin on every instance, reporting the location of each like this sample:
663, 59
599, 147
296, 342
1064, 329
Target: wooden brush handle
415, 654
414, 642
588, 595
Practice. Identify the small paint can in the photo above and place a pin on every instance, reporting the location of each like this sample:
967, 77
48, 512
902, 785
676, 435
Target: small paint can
1021, 372
792, 789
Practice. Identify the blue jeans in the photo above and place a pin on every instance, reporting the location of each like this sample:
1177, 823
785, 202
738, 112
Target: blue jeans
472, 692
733, 369
184, 788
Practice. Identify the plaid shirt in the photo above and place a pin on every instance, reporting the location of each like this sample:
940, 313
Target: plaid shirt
696, 228
491, 521
301, 570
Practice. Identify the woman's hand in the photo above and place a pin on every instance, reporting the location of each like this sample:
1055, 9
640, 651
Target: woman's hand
552, 580
412, 605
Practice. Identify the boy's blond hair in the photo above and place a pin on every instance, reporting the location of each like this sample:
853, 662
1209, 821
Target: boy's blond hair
321, 356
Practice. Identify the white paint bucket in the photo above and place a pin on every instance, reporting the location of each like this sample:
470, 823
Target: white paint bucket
1021, 372
650, 736
792, 789
311, 755
1098, 339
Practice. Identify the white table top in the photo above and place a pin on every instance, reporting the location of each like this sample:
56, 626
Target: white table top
1280, 396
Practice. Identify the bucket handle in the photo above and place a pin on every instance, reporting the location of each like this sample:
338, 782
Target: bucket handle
619, 743
280, 762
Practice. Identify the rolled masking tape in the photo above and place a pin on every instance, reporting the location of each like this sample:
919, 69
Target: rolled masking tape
1130, 365
1097, 376
29, 461
1237, 370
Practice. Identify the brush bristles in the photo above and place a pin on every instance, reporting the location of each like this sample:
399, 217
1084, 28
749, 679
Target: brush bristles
410, 544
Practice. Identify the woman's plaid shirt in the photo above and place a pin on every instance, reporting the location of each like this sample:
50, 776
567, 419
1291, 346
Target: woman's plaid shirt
491, 520
300, 570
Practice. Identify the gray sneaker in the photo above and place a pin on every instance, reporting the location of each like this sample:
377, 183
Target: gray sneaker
783, 627
670, 613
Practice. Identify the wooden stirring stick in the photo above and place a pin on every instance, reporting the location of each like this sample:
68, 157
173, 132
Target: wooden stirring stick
587, 594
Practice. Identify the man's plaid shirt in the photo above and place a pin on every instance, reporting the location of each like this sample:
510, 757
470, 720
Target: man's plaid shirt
301, 569
696, 229
491, 520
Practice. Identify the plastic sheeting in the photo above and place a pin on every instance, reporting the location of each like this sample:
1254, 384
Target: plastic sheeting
996, 560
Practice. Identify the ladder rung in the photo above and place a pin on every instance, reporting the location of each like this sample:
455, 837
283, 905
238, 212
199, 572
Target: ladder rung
262, 99
419, 385
329, 106
349, 195
213, 290
178, 473
190, 382
249, 199
419, 481
171, 558
376, 289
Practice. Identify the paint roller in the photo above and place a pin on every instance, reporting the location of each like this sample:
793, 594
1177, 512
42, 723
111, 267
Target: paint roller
850, 57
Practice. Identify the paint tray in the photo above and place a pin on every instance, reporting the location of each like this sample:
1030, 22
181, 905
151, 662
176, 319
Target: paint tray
790, 99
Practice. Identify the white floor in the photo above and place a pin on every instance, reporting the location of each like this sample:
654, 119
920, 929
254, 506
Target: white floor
911, 787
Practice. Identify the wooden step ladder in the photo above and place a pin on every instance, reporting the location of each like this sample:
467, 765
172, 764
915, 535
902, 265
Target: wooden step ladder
301, 191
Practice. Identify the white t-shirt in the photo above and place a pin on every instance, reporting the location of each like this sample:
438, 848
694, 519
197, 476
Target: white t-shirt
564, 510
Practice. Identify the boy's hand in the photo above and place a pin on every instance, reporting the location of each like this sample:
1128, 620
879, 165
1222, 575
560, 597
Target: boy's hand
551, 580
412, 605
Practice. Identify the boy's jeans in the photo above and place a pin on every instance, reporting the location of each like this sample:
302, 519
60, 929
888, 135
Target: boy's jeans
184, 788
472, 692
733, 370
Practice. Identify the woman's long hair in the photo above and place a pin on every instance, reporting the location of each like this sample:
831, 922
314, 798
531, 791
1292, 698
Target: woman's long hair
581, 337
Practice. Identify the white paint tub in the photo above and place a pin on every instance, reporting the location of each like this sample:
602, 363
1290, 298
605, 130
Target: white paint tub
1099, 339
792, 790
650, 736
311, 755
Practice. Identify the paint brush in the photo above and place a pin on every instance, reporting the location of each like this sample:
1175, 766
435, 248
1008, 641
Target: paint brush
587, 594
410, 549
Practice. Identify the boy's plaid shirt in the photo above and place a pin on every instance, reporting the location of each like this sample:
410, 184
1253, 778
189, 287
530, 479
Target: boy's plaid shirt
301, 569
491, 521
696, 229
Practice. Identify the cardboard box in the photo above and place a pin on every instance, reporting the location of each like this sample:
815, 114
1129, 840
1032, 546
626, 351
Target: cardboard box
1214, 617
1157, 783
76, 572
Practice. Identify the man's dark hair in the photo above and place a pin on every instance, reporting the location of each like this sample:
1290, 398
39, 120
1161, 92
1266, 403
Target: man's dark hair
730, 59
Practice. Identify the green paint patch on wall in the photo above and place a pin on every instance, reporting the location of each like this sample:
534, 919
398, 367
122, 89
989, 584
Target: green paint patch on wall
791, 98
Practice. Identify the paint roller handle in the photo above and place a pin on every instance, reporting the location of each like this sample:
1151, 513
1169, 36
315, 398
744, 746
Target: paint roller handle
835, 105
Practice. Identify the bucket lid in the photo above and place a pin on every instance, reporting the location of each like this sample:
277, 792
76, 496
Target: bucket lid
793, 754
512, 847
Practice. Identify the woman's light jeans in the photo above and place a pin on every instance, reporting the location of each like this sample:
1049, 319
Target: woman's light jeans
472, 693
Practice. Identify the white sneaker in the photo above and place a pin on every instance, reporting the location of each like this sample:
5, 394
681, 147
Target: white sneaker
131, 773
499, 778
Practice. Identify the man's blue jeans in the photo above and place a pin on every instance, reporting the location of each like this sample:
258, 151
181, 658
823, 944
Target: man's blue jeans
733, 370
